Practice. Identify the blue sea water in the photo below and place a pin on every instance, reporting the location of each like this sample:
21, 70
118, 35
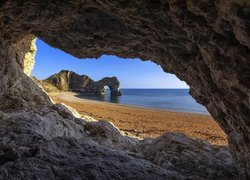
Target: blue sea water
167, 99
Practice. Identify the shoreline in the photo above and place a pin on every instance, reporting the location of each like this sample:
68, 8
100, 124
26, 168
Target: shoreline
148, 108
146, 122
124, 105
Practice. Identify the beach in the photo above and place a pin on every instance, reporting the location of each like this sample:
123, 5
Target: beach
146, 122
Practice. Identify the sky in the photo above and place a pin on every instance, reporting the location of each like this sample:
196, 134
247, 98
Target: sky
132, 73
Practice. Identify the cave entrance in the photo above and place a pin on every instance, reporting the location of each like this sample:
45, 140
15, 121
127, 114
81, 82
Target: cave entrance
142, 84
184, 38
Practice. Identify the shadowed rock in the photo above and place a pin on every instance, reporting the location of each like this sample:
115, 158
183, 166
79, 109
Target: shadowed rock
71, 81
63, 146
205, 43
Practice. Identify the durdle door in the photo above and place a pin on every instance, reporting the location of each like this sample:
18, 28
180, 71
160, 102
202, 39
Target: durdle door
67, 80
205, 43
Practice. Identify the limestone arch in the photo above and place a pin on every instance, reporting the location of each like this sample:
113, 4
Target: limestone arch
112, 83
206, 44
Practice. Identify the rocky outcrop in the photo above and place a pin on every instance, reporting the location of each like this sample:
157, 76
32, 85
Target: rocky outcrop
48, 87
25, 52
71, 81
52, 142
111, 82
17, 90
205, 43
173, 151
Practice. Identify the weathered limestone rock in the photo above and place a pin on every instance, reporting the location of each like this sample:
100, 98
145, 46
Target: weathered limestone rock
205, 43
112, 83
17, 90
25, 53
50, 142
70, 81
173, 151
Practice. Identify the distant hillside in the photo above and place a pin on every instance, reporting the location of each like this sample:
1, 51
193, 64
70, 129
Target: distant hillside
46, 86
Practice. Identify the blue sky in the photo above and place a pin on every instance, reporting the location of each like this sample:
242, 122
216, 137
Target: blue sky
132, 73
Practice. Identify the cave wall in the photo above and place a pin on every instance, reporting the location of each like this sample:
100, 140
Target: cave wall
205, 43
25, 53
17, 90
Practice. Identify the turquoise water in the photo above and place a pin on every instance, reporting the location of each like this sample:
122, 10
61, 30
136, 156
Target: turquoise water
167, 99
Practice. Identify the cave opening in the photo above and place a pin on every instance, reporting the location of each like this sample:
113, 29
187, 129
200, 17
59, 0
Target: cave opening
131, 74
162, 91
206, 44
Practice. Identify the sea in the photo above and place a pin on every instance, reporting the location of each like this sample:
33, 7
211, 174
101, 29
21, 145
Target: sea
164, 99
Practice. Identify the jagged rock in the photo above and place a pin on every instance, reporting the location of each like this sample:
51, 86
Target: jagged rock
105, 133
25, 52
64, 158
71, 81
195, 159
17, 90
205, 43
51, 143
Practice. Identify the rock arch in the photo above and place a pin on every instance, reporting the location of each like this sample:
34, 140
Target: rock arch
67, 80
205, 43
112, 83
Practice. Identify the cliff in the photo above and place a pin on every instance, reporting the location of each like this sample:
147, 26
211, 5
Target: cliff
71, 81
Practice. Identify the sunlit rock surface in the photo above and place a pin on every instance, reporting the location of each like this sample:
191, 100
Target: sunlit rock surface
17, 90
25, 53
205, 43
70, 81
